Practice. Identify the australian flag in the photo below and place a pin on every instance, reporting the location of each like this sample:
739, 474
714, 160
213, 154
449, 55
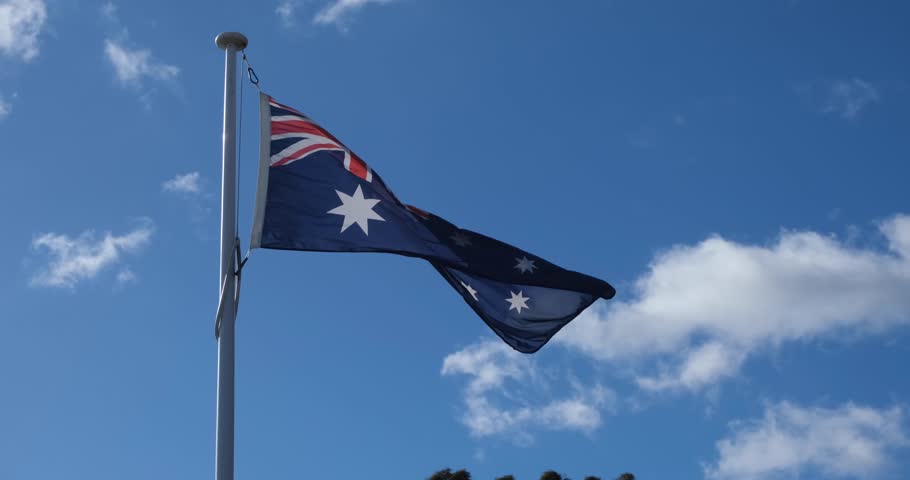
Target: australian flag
315, 194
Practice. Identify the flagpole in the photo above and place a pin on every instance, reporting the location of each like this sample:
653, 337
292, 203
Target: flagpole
230, 42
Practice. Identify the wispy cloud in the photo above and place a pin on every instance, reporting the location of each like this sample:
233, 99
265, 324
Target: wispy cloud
286, 11
21, 23
849, 441
848, 97
183, 183
133, 65
706, 308
109, 12
491, 365
74, 259
125, 276
339, 12
190, 189
5, 107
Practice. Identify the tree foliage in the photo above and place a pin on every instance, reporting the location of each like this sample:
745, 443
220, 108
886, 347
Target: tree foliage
550, 475
461, 475
444, 474
448, 474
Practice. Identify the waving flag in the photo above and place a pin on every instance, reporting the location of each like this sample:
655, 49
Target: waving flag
315, 194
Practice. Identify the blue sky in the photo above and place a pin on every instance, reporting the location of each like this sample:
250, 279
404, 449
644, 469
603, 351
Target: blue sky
738, 170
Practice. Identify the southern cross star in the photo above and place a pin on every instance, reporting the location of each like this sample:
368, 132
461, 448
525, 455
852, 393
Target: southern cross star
517, 302
356, 209
525, 265
470, 290
461, 239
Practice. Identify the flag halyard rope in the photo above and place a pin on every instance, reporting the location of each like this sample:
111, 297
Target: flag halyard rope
237, 160
239, 262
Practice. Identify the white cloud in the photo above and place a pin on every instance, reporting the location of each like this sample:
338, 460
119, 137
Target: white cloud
849, 441
109, 12
189, 187
339, 11
21, 22
74, 259
5, 107
132, 66
705, 308
492, 365
286, 10
847, 97
185, 183
701, 365
125, 276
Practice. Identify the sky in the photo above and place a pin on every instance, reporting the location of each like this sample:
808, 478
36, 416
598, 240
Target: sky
737, 170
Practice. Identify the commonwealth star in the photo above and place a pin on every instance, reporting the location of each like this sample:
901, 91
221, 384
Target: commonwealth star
356, 209
518, 301
525, 265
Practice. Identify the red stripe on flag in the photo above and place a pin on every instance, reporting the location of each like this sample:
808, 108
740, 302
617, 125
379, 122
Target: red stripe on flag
358, 167
420, 213
295, 126
304, 151
279, 105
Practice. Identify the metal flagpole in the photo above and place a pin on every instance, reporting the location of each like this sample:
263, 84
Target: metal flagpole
230, 42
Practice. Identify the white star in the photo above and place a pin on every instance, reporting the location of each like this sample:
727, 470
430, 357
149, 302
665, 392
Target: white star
525, 265
470, 290
356, 209
461, 239
517, 302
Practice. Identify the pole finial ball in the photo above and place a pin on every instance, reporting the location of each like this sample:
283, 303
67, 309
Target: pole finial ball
225, 39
